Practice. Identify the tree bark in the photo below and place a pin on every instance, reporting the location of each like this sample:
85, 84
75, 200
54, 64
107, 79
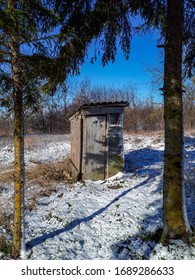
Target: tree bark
175, 218
18, 133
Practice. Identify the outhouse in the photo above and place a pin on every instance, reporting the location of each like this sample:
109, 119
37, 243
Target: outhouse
97, 140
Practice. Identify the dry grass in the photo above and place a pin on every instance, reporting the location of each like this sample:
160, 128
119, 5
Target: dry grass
5, 220
29, 143
34, 141
46, 173
6, 176
44, 176
43, 173
5, 245
145, 133
40, 180
189, 132
6, 228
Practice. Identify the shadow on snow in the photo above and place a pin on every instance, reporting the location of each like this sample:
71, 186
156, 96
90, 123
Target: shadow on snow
141, 245
142, 163
39, 240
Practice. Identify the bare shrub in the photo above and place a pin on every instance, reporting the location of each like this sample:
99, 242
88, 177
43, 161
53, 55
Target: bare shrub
6, 176
46, 173
43, 173
5, 245
6, 124
40, 180
143, 117
5, 230
5, 220
29, 143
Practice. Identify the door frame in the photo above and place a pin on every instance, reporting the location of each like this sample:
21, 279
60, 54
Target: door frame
83, 123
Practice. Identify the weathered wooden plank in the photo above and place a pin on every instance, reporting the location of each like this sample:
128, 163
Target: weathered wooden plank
76, 141
94, 148
71, 173
115, 150
102, 110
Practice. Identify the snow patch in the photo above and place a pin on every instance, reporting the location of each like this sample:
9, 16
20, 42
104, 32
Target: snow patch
110, 219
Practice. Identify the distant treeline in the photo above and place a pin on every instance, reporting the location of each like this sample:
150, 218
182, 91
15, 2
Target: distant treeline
50, 115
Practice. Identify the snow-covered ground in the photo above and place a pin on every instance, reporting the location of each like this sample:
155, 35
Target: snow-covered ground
111, 219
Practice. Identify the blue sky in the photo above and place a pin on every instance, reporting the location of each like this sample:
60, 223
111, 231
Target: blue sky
144, 52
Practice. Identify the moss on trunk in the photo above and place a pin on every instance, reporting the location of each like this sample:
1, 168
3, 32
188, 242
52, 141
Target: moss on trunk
175, 222
18, 130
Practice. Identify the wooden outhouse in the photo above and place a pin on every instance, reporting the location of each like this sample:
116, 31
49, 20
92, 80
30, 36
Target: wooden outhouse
97, 140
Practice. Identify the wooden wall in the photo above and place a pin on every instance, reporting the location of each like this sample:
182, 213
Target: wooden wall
76, 141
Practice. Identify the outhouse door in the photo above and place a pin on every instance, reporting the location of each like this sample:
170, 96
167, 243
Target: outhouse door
94, 147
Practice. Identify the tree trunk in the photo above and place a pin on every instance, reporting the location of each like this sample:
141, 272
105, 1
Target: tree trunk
175, 219
18, 133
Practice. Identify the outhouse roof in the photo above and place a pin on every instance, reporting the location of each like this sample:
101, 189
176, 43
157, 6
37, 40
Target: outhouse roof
99, 105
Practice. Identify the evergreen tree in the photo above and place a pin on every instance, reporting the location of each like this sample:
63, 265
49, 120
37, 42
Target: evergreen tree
18, 127
17, 28
175, 224
30, 53
174, 208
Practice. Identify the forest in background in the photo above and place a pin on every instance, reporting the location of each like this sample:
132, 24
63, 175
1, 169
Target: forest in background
50, 113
